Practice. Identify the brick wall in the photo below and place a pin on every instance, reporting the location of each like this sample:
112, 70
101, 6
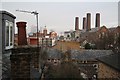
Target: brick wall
105, 71
20, 66
22, 60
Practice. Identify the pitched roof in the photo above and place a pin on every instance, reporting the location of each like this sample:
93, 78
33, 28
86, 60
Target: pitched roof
89, 54
111, 60
112, 29
54, 53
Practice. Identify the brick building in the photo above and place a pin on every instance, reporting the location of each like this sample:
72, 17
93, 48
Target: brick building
24, 59
87, 62
44, 38
108, 36
94, 34
109, 67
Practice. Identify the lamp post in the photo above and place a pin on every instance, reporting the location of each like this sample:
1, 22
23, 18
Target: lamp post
37, 29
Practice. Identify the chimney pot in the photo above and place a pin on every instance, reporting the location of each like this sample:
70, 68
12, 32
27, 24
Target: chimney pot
22, 39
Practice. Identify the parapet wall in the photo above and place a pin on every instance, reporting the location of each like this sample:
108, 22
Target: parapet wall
22, 60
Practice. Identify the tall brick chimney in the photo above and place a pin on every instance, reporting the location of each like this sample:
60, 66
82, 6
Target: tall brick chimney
84, 22
22, 39
88, 27
97, 21
76, 23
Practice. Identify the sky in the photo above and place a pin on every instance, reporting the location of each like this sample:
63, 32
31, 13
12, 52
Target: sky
60, 16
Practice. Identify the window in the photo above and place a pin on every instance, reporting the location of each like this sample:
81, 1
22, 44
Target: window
8, 34
11, 33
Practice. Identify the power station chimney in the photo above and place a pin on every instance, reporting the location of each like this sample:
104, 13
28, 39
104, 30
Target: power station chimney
22, 39
84, 22
76, 23
97, 21
88, 27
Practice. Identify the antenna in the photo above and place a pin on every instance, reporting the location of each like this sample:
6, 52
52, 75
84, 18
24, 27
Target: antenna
35, 13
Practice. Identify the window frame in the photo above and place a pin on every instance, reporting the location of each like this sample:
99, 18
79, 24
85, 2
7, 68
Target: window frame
10, 34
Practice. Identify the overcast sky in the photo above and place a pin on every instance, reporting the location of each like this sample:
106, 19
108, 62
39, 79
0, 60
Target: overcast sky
60, 16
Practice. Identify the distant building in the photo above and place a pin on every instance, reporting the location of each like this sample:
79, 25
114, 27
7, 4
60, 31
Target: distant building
6, 40
72, 35
97, 34
67, 35
87, 62
93, 35
45, 39
109, 67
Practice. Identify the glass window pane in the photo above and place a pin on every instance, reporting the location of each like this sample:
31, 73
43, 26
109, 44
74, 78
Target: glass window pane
7, 33
11, 33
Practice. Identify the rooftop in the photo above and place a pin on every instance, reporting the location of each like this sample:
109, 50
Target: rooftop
54, 53
5, 12
111, 60
89, 54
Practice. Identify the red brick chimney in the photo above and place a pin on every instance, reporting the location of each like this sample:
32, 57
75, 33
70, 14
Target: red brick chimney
22, 39
88, 27
76, 23
84, 22
97, 21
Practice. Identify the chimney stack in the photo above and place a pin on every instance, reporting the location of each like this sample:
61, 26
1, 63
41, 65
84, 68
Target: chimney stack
84, 23
97, 21
88, 27
76, 23
22, 39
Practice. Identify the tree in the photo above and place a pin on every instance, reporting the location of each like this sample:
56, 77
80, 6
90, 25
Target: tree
105, 42
66, 70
